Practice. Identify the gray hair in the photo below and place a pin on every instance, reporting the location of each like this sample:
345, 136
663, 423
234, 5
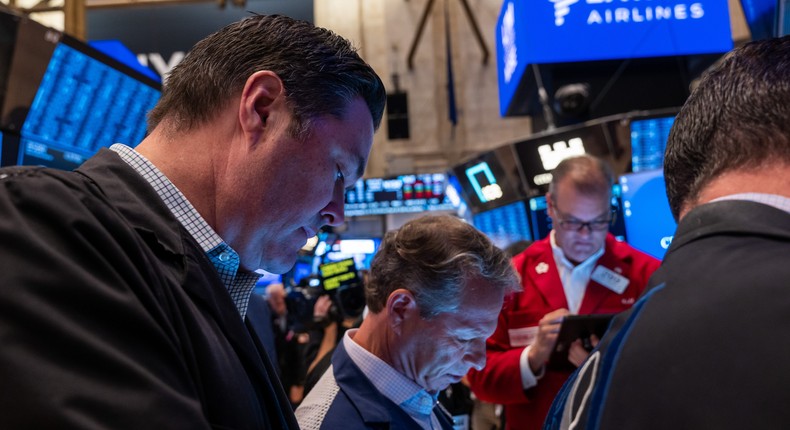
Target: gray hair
433, 257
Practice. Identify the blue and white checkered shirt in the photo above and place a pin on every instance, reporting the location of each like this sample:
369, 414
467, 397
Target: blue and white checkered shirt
394, 385
239, 283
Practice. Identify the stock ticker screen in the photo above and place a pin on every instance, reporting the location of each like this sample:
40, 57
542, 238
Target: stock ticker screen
648, 141
504, 225
81, 105
400, 194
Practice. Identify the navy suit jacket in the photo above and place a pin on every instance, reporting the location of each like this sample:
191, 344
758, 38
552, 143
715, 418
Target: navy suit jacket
357, 404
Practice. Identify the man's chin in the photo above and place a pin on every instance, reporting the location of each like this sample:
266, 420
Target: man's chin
277, 266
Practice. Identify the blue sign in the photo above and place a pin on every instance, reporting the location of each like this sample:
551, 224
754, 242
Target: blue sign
562, 31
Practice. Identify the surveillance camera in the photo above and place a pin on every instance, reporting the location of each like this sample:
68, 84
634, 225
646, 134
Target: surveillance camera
572, 99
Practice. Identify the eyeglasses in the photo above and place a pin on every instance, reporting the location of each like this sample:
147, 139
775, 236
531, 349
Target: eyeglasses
576, 225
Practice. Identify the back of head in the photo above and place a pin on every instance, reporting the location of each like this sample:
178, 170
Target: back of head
587, 174
320, 70
433, 257
737, 118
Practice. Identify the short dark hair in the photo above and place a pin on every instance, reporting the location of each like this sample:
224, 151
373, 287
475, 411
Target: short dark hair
321, 72
589, 175
737, 117
434, 257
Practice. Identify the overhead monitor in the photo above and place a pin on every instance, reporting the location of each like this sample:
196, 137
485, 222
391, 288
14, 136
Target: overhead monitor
399, 194
540, 154
648, 141
66, 100
648, 219
566, 31
491, 179
505, 225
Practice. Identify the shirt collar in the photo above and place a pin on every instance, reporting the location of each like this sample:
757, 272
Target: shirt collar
391, 383
775, 200
227, 262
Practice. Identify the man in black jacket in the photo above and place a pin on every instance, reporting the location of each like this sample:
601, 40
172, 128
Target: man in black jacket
706, 347
124, 285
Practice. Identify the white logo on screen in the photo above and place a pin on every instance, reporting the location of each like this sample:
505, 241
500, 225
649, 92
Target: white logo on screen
551, 155
608, 13
561, 9
666, 241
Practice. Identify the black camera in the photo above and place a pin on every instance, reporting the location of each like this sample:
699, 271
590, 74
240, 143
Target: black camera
341, 282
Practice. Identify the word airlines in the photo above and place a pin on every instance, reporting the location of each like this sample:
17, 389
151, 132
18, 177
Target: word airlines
625, 11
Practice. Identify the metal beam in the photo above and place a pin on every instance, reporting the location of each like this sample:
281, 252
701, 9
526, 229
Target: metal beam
74, 18
421, 26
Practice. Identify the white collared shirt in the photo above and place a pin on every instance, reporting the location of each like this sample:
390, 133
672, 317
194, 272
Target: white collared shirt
574, 280
775, 200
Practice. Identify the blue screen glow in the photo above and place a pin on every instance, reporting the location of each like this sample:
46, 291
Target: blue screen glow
504, 225
648, 220
648, 141
84, 104
565, 31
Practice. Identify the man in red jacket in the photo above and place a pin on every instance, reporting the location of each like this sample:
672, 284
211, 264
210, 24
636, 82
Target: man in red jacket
579, 268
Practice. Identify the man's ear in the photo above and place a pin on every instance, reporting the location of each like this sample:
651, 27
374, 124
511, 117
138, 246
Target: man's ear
549, 205
401, 306
263, 95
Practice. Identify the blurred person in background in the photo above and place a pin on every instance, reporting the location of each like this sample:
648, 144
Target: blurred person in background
579, 268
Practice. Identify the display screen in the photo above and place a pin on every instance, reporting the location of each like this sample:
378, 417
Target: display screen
539, 217
648, 219
490, 180
504, 225
338, 273
400, 194
539, 155
455, 194
567, 31
648, 141
33, 152
81, 105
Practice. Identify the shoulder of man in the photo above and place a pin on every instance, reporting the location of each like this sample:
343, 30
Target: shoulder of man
582, 399
624, 252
